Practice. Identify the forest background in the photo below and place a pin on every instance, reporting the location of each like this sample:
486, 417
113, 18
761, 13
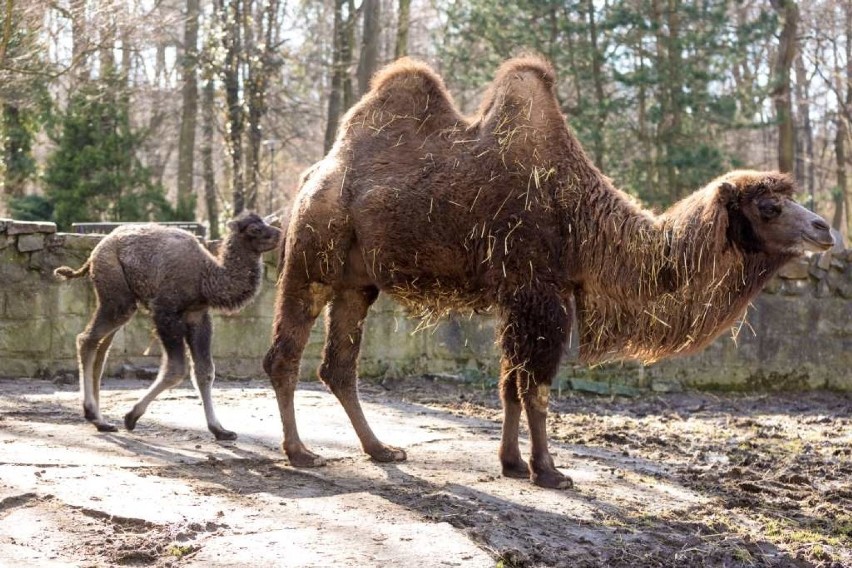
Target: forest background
198, 109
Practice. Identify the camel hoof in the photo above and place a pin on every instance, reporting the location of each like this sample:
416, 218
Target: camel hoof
552, 479
224, 435
105, 427
516, 470
387, 454
305, 459
130, 421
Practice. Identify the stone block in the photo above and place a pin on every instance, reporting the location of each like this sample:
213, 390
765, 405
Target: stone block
661, 385
26, 302
19, 368
63, 336
796, 269
75, 299
13, 267
773, 286
817, 272
4, 224
240, 337
25, 337
797, 287
823, 260
6, 241
81, 242
823, 290
29, 227
31, 242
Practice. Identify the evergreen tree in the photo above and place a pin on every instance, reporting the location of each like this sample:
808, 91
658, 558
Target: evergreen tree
94, 173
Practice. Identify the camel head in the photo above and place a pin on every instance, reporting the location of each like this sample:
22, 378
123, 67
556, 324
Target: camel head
764, 218
255, 232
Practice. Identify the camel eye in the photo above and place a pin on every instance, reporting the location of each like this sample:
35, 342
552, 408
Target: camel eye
769, 209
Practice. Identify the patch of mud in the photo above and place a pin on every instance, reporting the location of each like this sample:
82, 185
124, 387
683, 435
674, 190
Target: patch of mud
91, 537
778, 470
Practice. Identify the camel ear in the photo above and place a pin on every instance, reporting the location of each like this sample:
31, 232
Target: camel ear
727, 194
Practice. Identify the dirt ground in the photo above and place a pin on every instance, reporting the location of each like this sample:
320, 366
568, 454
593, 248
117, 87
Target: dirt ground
690, 479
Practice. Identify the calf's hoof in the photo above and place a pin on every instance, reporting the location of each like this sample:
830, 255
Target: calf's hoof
223, 435
387, 454
552, 479
130, 421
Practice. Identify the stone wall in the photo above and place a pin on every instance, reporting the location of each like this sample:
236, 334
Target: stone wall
799, 332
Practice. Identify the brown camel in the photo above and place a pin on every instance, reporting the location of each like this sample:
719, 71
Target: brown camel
505, 210
170, 273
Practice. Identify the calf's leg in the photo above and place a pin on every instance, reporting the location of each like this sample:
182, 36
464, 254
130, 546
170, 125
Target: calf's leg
338, 370
198, 337
172, 330
92, 348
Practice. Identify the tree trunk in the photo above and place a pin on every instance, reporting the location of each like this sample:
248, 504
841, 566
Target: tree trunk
208, 128
401, 49
600, 102
663, 138
839, 195
189, 114
369, 58
805, 141
261, 65
79, 43
675, 87
231, 15
340, 95
788, 12
846, 114
346, 56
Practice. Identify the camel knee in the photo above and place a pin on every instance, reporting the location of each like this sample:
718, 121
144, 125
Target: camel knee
339, 380
282, 360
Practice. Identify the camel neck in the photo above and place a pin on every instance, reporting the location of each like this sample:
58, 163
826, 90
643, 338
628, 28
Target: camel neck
234, 278
665, 285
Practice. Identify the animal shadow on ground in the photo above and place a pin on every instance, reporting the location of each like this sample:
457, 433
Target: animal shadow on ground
517, 534
520, 535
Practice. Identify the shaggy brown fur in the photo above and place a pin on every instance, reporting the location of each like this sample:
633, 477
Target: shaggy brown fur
505, 210
170, 273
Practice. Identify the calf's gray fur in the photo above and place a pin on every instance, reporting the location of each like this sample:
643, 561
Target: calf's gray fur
170, 273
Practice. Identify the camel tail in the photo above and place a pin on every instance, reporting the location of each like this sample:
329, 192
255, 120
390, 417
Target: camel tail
67, 273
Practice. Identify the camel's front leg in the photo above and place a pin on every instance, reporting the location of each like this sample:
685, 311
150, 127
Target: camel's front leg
346, 315
297, 310
513, 464
533, 331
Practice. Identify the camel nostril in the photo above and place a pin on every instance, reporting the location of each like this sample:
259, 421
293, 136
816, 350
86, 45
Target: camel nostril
820, 225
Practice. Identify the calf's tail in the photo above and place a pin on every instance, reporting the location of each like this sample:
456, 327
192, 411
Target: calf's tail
66, 272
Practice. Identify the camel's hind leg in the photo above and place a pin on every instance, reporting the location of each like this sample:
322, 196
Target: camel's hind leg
171, 329
198, 338
92, 349
345, 319
534, 329
297, 309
